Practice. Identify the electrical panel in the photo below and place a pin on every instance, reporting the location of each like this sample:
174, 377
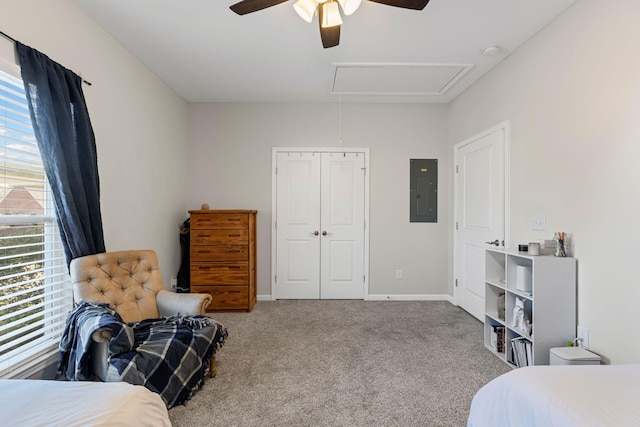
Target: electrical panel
423, 190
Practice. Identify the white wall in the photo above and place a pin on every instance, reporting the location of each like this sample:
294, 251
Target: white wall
139, 123
572, 95
230, 168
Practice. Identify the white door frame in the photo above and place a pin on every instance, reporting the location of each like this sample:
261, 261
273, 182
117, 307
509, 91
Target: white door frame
274, 260
505, 127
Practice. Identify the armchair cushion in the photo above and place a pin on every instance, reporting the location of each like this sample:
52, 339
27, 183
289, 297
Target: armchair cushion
126, 280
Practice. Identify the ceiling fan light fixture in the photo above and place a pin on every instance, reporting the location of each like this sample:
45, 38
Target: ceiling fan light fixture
328, 12
306, 9
331, 14
349, 6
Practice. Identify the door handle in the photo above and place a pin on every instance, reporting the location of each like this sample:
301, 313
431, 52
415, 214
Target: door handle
325, 233
495, 242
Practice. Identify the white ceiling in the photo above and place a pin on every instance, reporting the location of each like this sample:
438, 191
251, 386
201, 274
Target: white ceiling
207, 53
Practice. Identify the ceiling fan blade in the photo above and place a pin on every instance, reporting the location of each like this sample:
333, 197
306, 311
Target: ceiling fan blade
330, 35
248, 6
405, 4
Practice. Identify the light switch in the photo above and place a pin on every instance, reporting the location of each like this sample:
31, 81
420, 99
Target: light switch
540, 222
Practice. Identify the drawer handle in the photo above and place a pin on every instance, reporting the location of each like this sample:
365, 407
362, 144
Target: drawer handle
233, 219
205, 235
234, 292
234, 267
235, 235
204, 252
233, 252
204, 267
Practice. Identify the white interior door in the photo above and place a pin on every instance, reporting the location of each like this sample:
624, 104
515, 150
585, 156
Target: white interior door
480, 207
298, 225
342, 224
320, 218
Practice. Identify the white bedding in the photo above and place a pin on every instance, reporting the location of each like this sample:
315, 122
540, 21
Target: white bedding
560, 396
62, 403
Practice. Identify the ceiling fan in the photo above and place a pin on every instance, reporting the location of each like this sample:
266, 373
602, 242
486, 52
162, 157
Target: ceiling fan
327, 10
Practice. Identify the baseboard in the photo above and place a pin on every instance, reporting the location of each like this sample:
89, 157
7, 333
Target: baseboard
418, 297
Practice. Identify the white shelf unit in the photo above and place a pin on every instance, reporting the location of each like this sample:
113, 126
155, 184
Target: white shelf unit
550, 305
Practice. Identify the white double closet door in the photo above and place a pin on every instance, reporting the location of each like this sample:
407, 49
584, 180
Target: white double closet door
320, 225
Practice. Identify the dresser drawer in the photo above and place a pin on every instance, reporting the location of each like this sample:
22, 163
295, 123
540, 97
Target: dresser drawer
199, 221
219, 253
219, 237
218, 273
225, 297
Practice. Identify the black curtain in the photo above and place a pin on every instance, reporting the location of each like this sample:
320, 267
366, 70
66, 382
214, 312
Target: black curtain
67, 144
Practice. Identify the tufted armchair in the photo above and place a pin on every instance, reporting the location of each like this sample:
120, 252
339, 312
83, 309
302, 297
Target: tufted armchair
130, 282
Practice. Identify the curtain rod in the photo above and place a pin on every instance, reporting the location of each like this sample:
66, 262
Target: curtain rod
14, 40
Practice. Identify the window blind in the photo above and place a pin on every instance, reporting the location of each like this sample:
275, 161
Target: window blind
35, 289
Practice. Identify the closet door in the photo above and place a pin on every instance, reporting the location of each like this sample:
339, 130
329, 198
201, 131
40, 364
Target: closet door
342, 224
320, 225
298, 225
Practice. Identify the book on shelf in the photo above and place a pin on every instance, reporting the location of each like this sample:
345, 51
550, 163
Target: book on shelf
497, 338
529, 348
522, 352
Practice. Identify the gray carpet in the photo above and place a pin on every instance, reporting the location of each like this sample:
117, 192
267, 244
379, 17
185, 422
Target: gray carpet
344, 363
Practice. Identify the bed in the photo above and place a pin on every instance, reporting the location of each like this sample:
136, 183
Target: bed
81, 403
566, 396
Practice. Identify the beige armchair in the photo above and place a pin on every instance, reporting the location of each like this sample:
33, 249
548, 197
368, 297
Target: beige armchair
130, 282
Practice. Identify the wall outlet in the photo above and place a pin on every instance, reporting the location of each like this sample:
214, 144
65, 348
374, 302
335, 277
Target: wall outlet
583, 336
540, 222
174, 283
399, 274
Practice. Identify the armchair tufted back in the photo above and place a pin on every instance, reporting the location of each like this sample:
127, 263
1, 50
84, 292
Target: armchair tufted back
127, 280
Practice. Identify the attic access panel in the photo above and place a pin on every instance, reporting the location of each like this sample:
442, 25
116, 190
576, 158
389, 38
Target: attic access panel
395, 78
423, 190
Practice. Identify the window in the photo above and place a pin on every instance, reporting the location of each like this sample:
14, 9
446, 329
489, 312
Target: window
35, 289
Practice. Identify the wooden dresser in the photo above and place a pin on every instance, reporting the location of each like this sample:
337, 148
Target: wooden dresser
223, 258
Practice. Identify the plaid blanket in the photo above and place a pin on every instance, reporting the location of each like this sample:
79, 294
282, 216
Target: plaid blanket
139, 350
86, 318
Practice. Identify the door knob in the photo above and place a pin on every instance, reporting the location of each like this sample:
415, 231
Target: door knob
495, 242
315, 233
324, 232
